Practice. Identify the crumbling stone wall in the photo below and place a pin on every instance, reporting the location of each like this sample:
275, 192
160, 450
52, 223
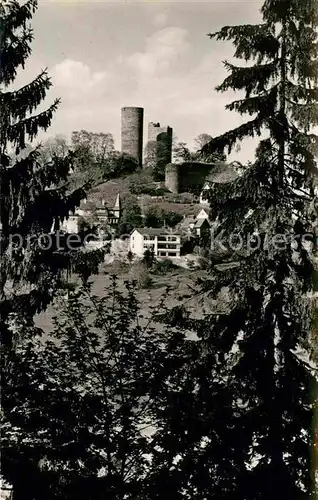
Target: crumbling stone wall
187, 177
190, 177
162, 137
172, 178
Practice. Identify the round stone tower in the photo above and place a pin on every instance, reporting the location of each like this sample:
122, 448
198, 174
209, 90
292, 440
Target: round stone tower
164, 147
172, 178
132, 124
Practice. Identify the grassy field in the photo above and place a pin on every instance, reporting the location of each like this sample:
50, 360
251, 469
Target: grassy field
182, 283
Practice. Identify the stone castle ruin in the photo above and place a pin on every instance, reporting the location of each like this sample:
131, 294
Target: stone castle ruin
191, 177
188, 177
132, 130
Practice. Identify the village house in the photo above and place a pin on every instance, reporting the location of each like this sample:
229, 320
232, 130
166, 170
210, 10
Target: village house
97, 210
164, 243
202, 227
198, 225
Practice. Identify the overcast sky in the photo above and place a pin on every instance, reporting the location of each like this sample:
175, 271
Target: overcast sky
105, 55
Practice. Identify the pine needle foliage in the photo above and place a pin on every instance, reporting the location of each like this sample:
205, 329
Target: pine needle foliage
35, 197
267, 212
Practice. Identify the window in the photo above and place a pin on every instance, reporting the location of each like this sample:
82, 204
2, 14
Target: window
165, 246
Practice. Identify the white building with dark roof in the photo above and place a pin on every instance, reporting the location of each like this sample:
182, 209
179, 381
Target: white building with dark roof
164, 243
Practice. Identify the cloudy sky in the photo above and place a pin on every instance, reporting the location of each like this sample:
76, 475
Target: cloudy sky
105, 55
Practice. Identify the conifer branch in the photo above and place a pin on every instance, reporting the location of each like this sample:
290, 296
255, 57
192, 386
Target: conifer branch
28, 128
24, 100
229, 139
251, 41
14, 55
252, 79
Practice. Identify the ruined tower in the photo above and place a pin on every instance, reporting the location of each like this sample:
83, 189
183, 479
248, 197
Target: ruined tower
155, 129
162, 137
132, 123
172, 177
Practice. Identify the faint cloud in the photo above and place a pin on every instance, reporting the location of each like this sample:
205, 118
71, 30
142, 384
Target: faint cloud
160, 19
77, 76
162, 49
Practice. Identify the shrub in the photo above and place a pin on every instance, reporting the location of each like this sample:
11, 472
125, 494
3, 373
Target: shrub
171, 218
144, 279
148, 258
117, 267
155, 217
86, 226
153, 191
152, 218
191, 265
203, 263
131, 218
150, 190
140, 274
163, 267
130, 256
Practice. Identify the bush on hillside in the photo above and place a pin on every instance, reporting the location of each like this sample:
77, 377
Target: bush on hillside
149, 258
163, 267
118, 165
130, 219
130, 257
171, 218
153, 218
87, 229
156, 218
149, 190
204, 263
140, 274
